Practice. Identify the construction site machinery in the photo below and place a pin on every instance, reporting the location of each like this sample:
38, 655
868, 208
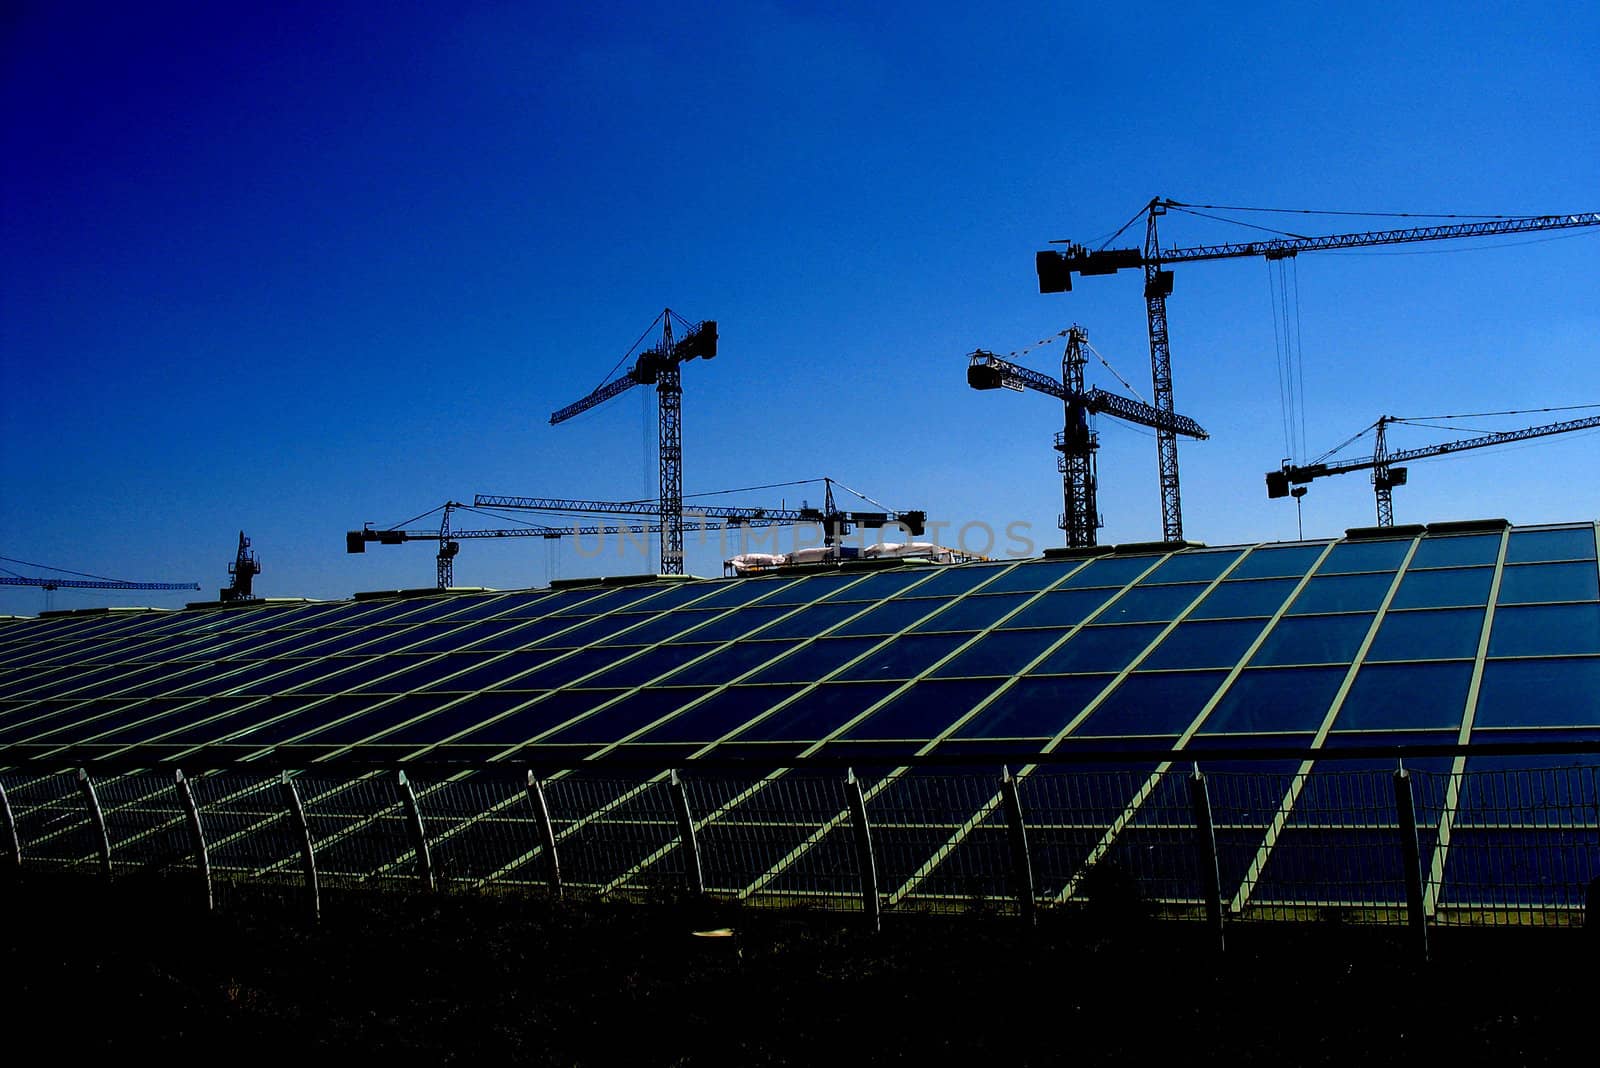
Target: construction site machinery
77, 580
244, 569
660, 366
449, 538
1386, 475
834, 522
1076, 442
1055, 269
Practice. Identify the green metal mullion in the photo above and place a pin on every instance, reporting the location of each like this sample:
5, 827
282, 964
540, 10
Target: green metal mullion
1297, 783
751, 791
1458, 766
894, 774
998, 798
202, 701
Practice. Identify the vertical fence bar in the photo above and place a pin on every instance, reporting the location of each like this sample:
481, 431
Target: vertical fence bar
693, 875
308, 854
547, 832
419, 836
1021, 858
867, 862
197, 836
1411, 860
92, 800
12, 842
1205, 842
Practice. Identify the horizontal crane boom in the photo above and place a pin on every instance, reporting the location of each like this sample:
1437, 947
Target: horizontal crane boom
92, 584
988, 371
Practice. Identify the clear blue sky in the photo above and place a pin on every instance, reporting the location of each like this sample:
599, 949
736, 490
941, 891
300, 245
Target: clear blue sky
301, 266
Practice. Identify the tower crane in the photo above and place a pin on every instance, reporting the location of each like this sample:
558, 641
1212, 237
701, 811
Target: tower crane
244, 569
1055, 269
79, 581
835, 522
661, 366
1386, 476
1076, 442
449, 538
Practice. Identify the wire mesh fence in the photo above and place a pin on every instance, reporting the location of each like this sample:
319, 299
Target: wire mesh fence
1495, 842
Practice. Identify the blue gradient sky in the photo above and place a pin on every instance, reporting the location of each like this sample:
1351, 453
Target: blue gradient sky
301, 267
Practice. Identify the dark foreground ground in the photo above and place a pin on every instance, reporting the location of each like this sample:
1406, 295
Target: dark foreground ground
464, 980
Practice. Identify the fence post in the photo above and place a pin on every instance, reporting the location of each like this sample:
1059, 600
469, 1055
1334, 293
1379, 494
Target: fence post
1205, 841
12, 843
197, 835
547, 832
308, 854
692, 874
1021, 858
1411, 860
864, 858
92, 800
419, 837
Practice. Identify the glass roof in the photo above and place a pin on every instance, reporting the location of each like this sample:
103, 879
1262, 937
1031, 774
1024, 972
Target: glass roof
1420, 632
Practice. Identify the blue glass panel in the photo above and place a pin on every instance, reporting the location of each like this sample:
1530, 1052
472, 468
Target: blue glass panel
533, 720
407, 673
1153, 704
533, 632
588, 631
344, 729
1456, 550
736, 624
1111, 571
817, 713
974, 612
1259, 597
652, 629
1203, 645
679, 594
812, 620
809, 590
1534, 693
885, 584
449, 637
1290, 562
1151, 604
454, 718
604, 602
626, 716
1444, 588
1065, 609
719, 715
1003, 652
490, 673
741, 591
1031, 576
924, 710
1342, 593
1546, 630
815, 659
551, 602
728, 664
1313, 640
1193, 567
565, 669
1384, 555
1451, 634
1035, 708
1275, 700
1527, 546
649, 664
891, 617
1527, 583
1099, 649
957, 580
903, 658
1406, 697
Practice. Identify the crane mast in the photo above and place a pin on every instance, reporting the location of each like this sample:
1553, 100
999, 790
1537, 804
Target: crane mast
1055, 269
661, 366
1075, 442
1386, 475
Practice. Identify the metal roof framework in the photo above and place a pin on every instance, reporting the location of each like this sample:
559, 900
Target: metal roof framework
1432, 643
